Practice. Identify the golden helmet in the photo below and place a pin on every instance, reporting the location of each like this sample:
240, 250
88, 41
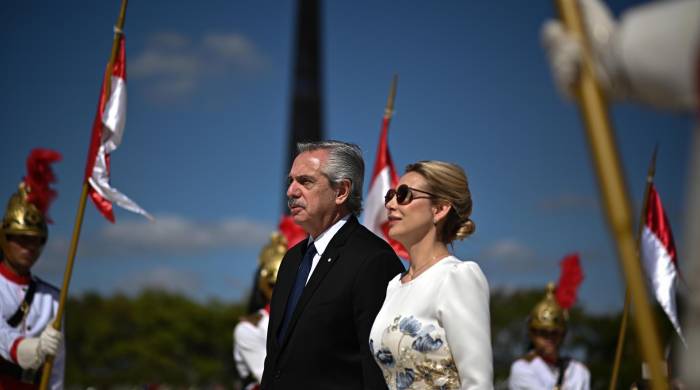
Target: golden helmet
270, 259
23, 217
547, 314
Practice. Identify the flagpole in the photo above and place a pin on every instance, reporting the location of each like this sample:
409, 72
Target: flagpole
48, 365
389, 110
593, 108
625, 311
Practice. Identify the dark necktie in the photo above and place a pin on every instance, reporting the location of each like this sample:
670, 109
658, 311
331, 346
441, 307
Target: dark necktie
295, 294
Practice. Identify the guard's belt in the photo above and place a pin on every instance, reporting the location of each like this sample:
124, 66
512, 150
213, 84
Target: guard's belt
23, 308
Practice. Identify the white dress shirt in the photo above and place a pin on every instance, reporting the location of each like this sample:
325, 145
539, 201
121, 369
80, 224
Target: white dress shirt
321, 242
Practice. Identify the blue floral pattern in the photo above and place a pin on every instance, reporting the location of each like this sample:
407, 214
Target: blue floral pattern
415, 356
385, 358
404, 379
425, 343
409, 326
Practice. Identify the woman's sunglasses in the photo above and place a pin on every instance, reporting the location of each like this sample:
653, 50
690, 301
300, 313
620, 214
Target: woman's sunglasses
404, 194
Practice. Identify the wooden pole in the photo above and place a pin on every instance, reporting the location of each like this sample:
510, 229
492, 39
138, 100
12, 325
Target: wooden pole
48, 364
625, 311
389, 110
614, 194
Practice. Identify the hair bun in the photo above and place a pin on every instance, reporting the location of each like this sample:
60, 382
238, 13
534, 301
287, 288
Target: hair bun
466, 229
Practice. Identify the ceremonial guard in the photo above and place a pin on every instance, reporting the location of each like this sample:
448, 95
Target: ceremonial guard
543, 367
250, 335
28, 305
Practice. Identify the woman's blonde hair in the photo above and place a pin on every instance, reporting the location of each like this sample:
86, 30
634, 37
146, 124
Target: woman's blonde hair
448, 182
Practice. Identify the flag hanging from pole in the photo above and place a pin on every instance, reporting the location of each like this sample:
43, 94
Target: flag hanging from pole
384, 177
107, 132
659, 257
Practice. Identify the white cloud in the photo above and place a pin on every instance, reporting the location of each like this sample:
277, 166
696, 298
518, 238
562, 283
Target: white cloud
172, 90
169, 39
235, 48
512, 255
173, 65
508, 249
175, 234
156, 62
52, 262
169, 235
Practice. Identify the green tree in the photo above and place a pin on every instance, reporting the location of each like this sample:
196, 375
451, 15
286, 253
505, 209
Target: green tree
156, 337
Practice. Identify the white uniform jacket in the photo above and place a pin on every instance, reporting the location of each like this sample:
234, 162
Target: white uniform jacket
42, 310
531, 372
249, 345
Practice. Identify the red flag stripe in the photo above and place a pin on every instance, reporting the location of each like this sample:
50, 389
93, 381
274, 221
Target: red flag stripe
118, 70
383, 155
657, 222
103, 205
383, 162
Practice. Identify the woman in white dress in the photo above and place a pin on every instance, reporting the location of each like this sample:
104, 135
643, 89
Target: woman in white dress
433, 331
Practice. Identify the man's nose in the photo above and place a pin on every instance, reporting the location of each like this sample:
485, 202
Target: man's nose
292, 190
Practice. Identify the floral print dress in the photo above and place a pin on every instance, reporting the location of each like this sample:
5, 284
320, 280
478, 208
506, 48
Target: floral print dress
434, 331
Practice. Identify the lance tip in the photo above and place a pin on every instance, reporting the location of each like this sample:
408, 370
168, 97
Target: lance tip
389, 110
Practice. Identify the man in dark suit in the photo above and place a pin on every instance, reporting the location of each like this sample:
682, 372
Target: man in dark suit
331, 285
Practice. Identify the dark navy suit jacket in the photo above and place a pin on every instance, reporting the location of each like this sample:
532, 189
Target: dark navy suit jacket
327, 341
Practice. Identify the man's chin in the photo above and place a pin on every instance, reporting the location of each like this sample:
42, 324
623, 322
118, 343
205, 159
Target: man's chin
300, 218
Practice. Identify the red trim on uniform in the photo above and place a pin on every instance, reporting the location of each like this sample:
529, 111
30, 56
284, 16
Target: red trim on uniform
12, 276
13, 350
267, 308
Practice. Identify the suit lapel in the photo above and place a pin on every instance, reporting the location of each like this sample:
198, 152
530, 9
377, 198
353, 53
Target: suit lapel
284, 285
328, 259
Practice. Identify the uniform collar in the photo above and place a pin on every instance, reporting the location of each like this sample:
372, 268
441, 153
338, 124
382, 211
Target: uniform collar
10, 275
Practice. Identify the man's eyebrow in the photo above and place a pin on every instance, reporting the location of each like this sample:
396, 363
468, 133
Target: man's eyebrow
302, 177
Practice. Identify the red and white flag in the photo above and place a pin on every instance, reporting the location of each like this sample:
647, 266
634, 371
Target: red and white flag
384, 177
107, 132
659, 257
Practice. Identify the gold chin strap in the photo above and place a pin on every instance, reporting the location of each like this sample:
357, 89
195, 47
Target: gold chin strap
22, 217
547, 314
270, 259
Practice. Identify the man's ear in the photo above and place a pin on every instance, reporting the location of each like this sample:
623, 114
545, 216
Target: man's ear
342, 192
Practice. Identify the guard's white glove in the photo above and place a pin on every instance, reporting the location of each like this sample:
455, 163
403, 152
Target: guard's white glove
564, 50
49, 341
650, 56
28, 354
32, 351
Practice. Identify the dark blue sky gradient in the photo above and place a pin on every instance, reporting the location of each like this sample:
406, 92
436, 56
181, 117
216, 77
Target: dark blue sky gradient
204, 146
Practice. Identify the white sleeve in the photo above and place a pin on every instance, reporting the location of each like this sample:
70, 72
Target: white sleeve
8, 336
586, 380
656, 53
463, 311
522, 378
251, 347
578, 377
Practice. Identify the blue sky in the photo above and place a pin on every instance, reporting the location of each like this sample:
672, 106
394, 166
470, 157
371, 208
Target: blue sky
204, 146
